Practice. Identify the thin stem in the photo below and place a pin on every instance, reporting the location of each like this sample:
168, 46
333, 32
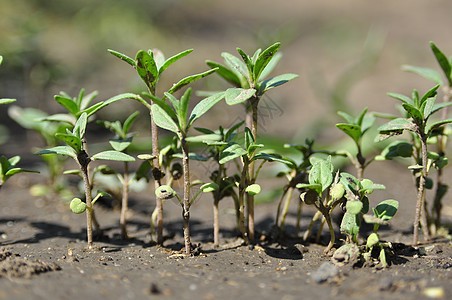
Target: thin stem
125, 201
186, 199
420, 216
83, 161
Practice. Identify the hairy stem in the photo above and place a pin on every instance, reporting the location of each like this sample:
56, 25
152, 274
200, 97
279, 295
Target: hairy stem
186, 200
420, 215
125, 201
83, 161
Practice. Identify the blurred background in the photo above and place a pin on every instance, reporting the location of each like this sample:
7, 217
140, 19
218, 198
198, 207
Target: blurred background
348, 53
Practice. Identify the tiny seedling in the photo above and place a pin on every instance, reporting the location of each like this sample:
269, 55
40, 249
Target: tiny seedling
383, 212
8, 168
122, 140
76, 148
417, 120
248, 76
150, 65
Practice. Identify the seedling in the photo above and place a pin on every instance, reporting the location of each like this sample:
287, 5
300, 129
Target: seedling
416, 120
150, 65
356, 128
248, 76
8, 168
383, 212
175, 118
121, 141
320, 179
441, 140
77, 149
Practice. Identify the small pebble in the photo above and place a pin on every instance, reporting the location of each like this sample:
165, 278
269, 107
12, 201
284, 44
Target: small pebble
326, 271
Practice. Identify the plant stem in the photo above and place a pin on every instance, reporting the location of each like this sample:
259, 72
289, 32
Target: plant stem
251, 122
83, 161
242, 187
420, 216
125, 201
186, 201
216, 212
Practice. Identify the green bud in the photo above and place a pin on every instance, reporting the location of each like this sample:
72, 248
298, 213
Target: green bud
165, 192
337, 191
77, 206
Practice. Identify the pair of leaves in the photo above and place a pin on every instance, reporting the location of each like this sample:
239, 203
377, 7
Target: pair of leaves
320, 175
123, 139
8, 168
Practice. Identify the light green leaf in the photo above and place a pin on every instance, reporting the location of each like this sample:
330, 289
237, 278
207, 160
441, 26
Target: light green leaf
224, 72
163, 120
386, 209
61, 150
235, 96
253, 189
204, 106
209, 187
6, 100
322, 173
249, 64
270, 66
77, 206
401, 97
129, 121
264, 58
68, 104
354, 207
232, 151
436, 125
354, 131
183, 109
237, 67
427, 73
112, 155
396, 126
120, 144
350, 224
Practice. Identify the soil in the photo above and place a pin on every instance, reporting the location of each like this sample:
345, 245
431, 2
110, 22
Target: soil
44, 255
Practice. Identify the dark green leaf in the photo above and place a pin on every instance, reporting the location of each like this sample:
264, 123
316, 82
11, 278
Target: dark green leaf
229, 133
396, 126
224, 72
14, 171
129, 121
189, 79
437, 125
249, 64
430, 93
438, 106
147, 68
238, 95
413, 112
173, 59
73, 141
442, 61
270, 157
354, 131
113, 155
237, 67
396, 149
123, 57
68, 104
164, 106
386, 209
264, 58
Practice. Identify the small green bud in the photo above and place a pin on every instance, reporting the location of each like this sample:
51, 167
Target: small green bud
77, 206
165, 192
337, 191
253, 189
372, 240
309, 197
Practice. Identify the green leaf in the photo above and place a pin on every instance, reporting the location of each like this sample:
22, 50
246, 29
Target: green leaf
73, 141
6, 100
427, 73
264, 58
165, 192
437, 125
249, 64
163, 120
165, 106
189, 79
120, 144
413, 112
230, 152
346, 117
354, 207
224, 72
386, 209
147, 68
430, 93
401, 97
442, 61
191, 156
173, 59
77, 206
68, 104
230, 132
14, 171
80, 126
270, 66
61, 150
123, 57
113, 155
396, 126
372, 240
438, 106
204, 106
237, 67
129, 121
183, 108
396, 149
209, 139
350, 224
270, 157
322, 173
354, 131
253, 189
209, 187
174, 102
275, 81
92, 109
235, 96
60, 118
